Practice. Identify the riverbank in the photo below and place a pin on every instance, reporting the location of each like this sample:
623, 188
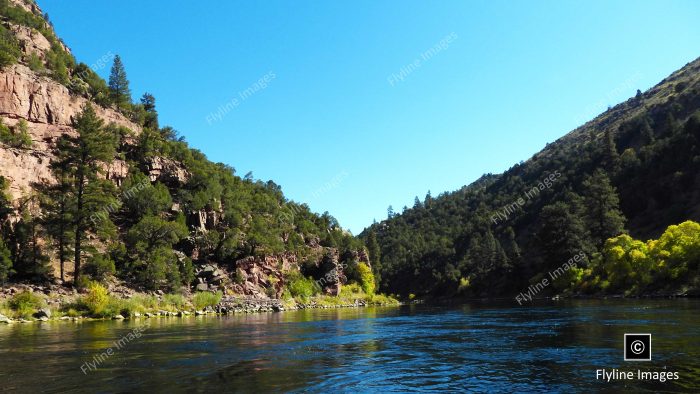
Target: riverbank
33, 303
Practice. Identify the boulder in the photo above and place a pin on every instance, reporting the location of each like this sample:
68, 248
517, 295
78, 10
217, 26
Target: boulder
202, 287
43, 312
4, 319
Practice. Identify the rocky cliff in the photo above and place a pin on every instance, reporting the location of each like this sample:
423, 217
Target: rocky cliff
36, 96
48, 108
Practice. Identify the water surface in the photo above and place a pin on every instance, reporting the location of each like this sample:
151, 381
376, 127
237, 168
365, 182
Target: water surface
548, 347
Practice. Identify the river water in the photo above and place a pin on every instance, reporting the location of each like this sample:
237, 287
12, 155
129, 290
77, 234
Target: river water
552, 346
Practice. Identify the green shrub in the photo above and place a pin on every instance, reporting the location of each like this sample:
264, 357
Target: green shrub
9, 48
146, 302
97, 300
173, 302
86, 81
25, 303
464, 285
352, 288
34, 62
301, 287
120, 306
204, 299
17, 136
366, 278
71, 312
99, 267
381, 299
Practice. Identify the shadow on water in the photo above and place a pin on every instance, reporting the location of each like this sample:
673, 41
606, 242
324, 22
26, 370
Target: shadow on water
480, 346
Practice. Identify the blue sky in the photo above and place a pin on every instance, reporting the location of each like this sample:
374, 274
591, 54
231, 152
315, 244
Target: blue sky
334, 129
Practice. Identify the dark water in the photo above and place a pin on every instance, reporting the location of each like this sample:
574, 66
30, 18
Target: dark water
548, 347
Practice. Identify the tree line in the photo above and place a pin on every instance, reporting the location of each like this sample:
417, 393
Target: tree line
635, 179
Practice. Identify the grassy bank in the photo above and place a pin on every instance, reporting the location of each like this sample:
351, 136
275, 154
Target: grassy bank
97, 303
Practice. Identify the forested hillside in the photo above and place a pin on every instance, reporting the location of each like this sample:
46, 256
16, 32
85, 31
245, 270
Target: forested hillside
633, 169
93, 186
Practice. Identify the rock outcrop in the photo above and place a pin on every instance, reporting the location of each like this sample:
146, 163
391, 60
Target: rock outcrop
40, 99
263, 276
49, 108
167, 171
31, 41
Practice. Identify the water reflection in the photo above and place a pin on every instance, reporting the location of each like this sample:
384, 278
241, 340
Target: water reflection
553, 346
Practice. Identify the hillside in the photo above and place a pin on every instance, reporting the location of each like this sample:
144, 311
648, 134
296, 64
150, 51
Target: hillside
633, 169
93, 187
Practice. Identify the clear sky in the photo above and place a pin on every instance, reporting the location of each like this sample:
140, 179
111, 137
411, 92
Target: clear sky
370, 103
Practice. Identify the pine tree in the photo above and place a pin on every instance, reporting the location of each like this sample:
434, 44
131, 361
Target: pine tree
373, 250
428, 199
417, 203
5, 205
647, 132
671, 125
28, 257
512, 249
149, 105
90, 193
602, 206
5, 211
692, 127
118, 83
149, 102
611, 158
155, 263
57, 214
562, 233
5, 263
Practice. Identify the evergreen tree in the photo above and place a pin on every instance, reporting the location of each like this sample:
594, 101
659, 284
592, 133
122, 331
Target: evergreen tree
692, 127
611, 158
646, 131
149, 102
562, 234
57, 214
604, 218
417, 203
671, 125
512, 249
118, 83
28, 257
90, 193
373, 248
154, 262
149, 105
5, 263
5, 205
142, 199
5, 211
261, 235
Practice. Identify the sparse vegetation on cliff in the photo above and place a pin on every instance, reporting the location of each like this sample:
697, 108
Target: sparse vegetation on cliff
16, 136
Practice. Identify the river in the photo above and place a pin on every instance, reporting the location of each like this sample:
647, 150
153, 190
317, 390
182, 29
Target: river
552, 346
